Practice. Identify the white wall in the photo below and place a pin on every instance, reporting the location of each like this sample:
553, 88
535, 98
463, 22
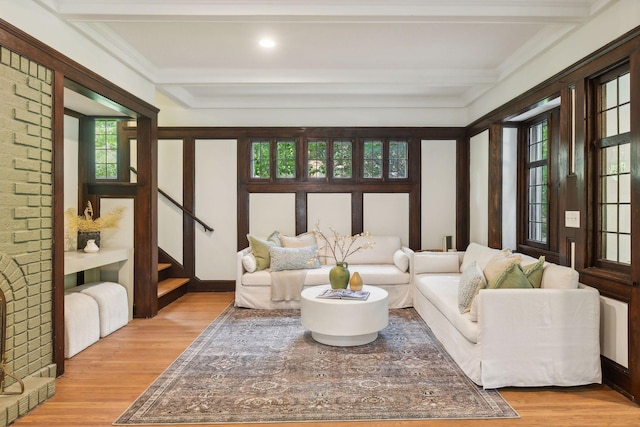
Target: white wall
216, 196
386, 214
170, 162
479, 189
123, 235
269, 212
438, 187
326, 210
611, 23
509, 187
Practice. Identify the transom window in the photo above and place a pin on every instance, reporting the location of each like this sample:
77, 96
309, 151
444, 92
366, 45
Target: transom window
331, 159
342, 159
614, 169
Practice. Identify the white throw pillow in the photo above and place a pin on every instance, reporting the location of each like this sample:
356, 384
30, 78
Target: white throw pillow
479, 253
559, 277
249, 262
471, 281
401, 260
299, 241
436, 262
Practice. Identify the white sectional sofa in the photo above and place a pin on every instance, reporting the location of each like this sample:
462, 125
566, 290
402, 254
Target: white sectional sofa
386, 265
510, 336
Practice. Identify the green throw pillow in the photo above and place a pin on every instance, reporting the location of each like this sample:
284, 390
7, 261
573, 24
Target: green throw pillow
534, 272
511, 277
260, 249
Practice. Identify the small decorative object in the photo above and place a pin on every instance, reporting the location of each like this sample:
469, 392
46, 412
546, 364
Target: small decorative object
341, 248
355, 284
91, 246
86, 228
339, 276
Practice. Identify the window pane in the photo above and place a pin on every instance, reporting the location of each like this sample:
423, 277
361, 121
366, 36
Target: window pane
342, 159
625, 118
610, 94
610, 246
624, 249
610, 124
398, 159
624, 188
624, 219
317, 158
106, 148
286, 159
624, 155
372, 159
624, 89
260, 159
610, 160
610, 218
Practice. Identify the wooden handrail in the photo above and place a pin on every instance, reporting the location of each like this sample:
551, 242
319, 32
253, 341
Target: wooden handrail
185, 210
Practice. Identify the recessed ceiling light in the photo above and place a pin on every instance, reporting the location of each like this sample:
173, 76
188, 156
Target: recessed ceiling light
267, 43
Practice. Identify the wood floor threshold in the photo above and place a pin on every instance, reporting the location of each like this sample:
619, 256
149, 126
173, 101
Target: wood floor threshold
102, 381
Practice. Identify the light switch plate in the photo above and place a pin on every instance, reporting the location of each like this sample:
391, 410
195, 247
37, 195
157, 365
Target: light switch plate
572, 219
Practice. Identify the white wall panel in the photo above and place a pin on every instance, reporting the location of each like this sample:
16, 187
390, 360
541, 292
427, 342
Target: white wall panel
216, 196
386, 214
614, 330
170, 180
509, 187
269, 212
479, 189
123, 235
438, 187
330, 210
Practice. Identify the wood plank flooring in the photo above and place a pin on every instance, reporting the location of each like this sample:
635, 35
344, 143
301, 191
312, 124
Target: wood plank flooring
101, 382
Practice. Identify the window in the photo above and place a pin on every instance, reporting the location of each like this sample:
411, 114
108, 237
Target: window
317, 159
342, 159
537, 182
372, 162
286, 159
106, 149
260, 159
398, 159
613, 214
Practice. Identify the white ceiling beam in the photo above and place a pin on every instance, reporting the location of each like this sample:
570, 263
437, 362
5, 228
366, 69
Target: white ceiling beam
421, 10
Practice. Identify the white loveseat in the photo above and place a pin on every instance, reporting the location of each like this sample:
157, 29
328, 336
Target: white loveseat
511, 337
386, 265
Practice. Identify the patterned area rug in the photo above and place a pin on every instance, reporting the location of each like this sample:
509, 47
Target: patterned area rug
252, 366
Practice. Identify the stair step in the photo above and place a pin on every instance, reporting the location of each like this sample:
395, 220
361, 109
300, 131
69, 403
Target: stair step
168, 285
163, 266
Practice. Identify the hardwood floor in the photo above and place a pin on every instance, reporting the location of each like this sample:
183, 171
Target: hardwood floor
101, 382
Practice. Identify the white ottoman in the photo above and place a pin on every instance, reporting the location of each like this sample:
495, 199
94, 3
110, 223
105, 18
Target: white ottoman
81, 323
112, 302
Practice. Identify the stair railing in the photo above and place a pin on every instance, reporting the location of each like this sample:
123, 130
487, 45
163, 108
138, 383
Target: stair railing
179, 206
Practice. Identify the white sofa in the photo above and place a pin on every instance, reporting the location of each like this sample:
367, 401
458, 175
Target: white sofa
386, 265
511, 337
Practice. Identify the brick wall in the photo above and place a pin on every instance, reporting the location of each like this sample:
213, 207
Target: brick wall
26, 227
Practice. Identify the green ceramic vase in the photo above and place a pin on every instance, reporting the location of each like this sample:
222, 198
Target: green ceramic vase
339, 276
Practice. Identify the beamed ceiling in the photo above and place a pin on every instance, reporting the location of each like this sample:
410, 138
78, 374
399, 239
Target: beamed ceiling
328, 53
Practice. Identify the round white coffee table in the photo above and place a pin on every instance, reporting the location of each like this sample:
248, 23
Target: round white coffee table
342, 322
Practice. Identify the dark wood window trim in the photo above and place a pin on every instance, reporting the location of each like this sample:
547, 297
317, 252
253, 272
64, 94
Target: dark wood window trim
550, 249
613, 270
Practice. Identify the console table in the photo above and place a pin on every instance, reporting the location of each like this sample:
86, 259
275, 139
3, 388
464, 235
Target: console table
114, 264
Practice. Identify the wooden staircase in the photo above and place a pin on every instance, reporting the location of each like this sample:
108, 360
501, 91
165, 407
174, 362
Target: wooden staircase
169, 288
